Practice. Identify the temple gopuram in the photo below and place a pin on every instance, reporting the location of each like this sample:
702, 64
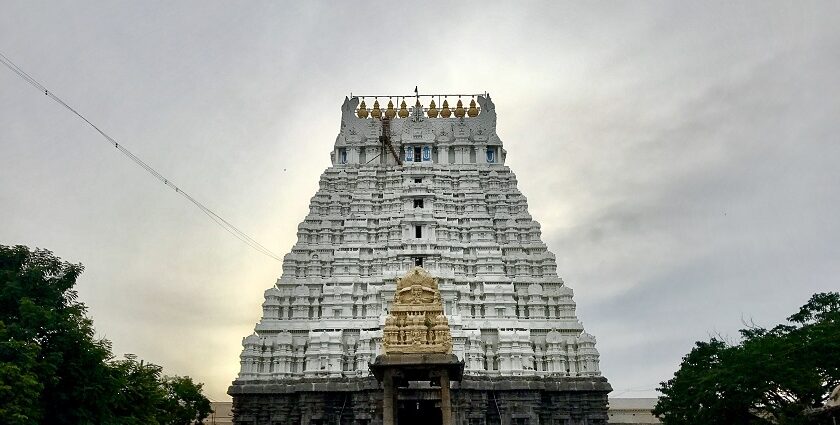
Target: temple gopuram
419, 290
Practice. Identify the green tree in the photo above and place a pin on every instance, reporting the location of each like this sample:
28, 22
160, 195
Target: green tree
773, 376
52, 368
19, 386
140, 398
185, 404
48, 339
148, 397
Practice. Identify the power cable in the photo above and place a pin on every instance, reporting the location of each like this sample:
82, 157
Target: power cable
230, 228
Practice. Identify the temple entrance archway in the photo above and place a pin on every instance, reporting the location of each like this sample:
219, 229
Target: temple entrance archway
417, 346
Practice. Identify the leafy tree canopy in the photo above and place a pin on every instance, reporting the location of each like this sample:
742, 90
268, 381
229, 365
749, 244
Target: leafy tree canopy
781, 375
52, 368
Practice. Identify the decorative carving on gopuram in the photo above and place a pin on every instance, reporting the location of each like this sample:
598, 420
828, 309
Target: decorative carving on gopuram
416, 323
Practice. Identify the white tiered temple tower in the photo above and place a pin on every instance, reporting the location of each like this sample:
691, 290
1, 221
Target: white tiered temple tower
433, 192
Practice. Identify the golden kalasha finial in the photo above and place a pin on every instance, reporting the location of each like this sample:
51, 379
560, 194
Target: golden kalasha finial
403, 110
417, 104
473, 111
363, 112
459, 109
445, 112
433, 112
390, 112
376, 112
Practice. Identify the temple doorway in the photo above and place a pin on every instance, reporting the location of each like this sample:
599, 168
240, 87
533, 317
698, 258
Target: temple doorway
419, 412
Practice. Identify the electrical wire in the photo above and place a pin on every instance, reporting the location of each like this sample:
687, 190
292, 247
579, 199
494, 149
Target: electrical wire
230, 228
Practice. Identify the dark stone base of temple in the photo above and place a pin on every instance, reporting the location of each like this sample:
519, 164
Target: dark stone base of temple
475, 401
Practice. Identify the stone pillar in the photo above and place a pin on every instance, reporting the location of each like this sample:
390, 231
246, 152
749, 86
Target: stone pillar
445, 401
388, 397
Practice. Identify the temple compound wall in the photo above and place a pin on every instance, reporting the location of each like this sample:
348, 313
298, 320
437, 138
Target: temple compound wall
425, 187
475, 401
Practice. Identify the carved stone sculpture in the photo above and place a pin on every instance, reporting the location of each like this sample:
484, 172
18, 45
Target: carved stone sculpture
416, 323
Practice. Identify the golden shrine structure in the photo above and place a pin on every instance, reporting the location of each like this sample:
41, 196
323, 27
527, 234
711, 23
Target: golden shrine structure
416, 323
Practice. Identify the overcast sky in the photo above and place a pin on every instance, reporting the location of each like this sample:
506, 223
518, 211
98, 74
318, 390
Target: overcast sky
682, 158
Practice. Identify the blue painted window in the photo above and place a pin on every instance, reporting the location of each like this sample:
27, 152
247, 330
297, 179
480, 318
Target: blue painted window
409, 154
342, 155
491, 155
427, 153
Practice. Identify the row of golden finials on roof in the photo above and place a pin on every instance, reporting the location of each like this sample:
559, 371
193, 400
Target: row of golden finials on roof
433, 111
